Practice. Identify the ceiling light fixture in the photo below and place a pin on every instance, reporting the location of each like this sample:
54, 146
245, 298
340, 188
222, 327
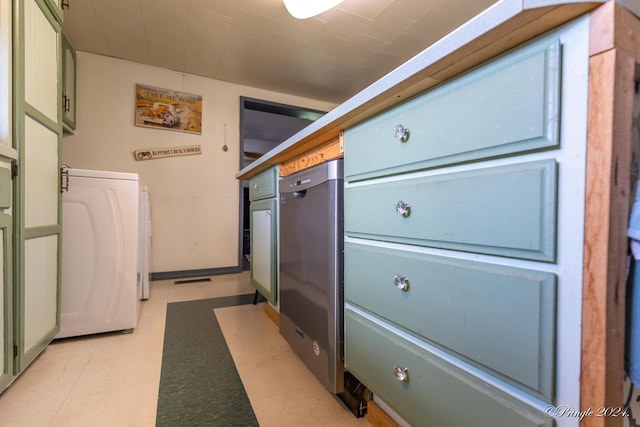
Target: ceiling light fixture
303, 9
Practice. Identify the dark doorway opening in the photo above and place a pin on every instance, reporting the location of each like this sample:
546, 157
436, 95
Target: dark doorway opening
263, 126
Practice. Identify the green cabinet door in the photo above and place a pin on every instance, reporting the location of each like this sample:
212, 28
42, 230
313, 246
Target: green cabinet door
263, 266
37, 208
68, 85
57, 8
6, 302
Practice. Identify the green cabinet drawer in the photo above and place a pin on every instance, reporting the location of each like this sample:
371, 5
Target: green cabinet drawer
497, 317
264, 185
435, 393
509, 106
505, 210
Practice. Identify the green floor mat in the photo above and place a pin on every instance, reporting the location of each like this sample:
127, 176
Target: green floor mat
199, 383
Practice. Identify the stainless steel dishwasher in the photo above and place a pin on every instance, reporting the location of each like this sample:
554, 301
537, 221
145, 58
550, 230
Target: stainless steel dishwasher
311, 269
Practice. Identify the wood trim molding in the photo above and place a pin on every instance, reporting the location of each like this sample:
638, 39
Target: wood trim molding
608, 198
377, 417
614, 27
332, 149
271, 313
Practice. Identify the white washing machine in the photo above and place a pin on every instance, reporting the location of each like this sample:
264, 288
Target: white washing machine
144, 248
100, 251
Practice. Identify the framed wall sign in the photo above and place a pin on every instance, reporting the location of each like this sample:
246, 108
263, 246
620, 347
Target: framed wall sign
168, 109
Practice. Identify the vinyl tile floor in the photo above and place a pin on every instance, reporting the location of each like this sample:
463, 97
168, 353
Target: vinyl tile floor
112, 379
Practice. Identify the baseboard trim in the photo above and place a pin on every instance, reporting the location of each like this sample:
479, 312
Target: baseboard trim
378, 417
271, 313
185, 274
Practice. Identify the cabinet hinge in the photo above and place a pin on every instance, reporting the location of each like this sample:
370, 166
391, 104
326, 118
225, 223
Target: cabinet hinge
66, 103
15, 351
14, 169
64, 179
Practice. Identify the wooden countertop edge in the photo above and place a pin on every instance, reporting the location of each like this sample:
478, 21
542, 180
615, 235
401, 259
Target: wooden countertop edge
498, 29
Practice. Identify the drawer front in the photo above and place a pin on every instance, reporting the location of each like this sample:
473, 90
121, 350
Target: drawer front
500, 318
435, 393
508, 106
264, 185
507, 210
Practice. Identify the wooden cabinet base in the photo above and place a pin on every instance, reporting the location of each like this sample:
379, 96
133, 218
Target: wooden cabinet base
271, 313
377, 417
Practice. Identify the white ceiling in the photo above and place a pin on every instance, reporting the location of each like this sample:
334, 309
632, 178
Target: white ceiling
257, 43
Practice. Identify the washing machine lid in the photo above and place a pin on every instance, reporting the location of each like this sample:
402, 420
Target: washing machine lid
86, 173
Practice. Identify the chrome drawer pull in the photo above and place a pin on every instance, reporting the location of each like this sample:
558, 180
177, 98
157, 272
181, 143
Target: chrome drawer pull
403, 208
401, 373
401, 133
401, 283
256, 186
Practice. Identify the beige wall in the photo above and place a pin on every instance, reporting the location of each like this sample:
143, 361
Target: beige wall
194, 199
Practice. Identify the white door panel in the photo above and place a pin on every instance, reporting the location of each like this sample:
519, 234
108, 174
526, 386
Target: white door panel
40, 289
41, 61
41, 177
